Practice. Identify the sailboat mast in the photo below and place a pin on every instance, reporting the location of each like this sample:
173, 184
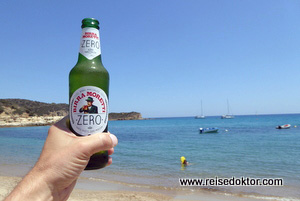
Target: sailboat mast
227, 107
201, 109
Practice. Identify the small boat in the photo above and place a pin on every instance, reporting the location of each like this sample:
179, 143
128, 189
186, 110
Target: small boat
208, 130
283, 126
227, 116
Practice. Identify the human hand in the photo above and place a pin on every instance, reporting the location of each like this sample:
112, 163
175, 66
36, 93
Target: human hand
63, 158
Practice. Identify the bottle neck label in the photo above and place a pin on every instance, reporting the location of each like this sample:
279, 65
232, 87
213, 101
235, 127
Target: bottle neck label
88, 110
90, 43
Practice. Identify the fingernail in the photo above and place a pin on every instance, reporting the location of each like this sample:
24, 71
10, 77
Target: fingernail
113, 139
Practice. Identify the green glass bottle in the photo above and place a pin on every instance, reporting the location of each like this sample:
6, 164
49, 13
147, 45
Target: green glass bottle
88, 90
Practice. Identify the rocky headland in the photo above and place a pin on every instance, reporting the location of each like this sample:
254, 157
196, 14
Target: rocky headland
125, 116
22, 112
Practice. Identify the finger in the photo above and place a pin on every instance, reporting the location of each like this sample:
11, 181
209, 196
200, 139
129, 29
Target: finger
111, 151
99, 142
109, 161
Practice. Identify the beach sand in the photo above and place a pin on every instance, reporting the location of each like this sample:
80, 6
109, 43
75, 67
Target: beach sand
88, 190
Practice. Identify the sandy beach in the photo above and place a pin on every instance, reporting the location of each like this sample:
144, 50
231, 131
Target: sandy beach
8, 121
88, 190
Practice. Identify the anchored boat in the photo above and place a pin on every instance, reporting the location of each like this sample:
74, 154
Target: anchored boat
228, 115
208, 130
283, 126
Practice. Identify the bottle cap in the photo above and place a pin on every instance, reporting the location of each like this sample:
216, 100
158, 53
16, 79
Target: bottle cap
90, 22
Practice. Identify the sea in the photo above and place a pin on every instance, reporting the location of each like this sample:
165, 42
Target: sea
149, 152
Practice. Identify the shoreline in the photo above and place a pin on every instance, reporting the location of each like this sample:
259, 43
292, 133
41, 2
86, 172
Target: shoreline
91, 190
6, 122
108, 187
178, 193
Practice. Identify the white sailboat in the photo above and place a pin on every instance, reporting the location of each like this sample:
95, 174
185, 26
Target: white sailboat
228, 115
201, 116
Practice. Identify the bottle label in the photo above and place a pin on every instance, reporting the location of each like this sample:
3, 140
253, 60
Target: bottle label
90, 43
88, 110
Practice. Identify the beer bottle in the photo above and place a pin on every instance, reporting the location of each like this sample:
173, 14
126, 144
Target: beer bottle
88, 90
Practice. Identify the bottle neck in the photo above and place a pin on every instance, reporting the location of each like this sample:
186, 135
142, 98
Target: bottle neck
82, 58
89, 44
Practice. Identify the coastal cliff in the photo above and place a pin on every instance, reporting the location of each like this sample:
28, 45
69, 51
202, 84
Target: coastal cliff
22, 112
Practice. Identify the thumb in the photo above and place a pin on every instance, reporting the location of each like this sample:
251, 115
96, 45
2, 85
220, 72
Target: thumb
99, 142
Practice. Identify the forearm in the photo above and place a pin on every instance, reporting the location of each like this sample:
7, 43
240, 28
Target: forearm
32, 187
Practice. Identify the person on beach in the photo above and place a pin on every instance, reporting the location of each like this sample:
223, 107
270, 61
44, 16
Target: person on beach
63, 158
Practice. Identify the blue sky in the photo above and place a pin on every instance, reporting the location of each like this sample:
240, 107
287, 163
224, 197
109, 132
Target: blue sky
163, 57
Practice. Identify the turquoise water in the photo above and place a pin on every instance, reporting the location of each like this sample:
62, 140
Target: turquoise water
149, 152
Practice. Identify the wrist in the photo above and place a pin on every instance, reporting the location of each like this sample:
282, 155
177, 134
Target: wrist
32, 187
